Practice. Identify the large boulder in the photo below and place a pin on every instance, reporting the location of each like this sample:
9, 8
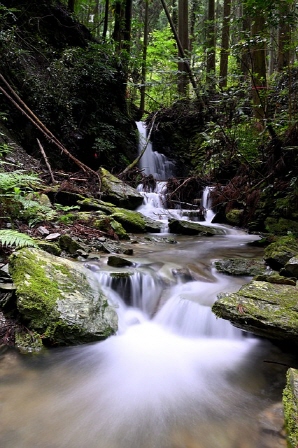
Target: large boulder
263, 308
278, 253
193, 228
60, 299
118, 192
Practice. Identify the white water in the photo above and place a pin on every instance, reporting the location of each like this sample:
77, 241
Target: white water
174, 376
153, 162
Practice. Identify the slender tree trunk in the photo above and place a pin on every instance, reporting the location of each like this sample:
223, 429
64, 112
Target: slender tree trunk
106, 20
225, 44
258, 73
211, 39
284, 37
144, 58
184, 39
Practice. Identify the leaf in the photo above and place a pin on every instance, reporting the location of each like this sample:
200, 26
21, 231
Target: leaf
14, 238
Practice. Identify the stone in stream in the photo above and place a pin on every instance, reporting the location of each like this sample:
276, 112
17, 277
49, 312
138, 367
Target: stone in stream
59, 299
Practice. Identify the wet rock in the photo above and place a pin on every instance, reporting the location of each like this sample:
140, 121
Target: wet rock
70, 245
278, 253
240, 266
291, 267
274, 277
265, 309
59, 299
118, 262
193, 228
117, 192
290, 405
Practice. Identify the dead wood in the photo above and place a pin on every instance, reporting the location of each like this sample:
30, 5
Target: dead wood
25, 110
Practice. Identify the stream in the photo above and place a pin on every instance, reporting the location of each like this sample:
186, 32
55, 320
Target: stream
174, 376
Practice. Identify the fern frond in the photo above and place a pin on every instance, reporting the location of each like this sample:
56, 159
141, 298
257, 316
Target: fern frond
14, 238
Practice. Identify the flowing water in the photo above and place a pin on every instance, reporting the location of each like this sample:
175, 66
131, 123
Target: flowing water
174, 376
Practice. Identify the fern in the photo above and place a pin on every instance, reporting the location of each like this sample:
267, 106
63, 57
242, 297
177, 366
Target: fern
14, 238
17, 179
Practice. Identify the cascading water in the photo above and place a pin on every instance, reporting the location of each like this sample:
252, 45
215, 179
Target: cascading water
153, 162
174, 376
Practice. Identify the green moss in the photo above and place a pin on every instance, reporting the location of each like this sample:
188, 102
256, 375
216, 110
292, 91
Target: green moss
130, 220
290, 408
263, 308
234, 217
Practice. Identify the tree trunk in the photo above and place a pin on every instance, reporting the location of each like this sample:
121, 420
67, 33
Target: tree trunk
210, 51
184, 39
106, 20
144, 59
284, 37
225, 44
258, 71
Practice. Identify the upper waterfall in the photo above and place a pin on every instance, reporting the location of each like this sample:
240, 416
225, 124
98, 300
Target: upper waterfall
153, 162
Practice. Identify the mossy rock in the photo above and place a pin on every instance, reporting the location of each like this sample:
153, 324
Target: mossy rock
290, 405
265, 309
69, 244
111, 227
278, 253
240, 266
92, 204
60, 299
130, 220
193, 228
234, 217
118, 192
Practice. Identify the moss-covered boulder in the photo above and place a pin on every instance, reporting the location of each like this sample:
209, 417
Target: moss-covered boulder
263, 308
59, 299
290, 405
118, 192
278, 253
234, 217
240, 266
193, 228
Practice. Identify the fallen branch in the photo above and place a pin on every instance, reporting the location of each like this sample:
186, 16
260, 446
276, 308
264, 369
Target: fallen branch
18, 102
46, 160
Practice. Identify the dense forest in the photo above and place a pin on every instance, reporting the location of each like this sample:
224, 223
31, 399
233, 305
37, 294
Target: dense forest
215, 81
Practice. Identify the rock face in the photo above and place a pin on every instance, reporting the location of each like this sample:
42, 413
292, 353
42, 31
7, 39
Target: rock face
116, 191
263, 308
60, 299
290, 404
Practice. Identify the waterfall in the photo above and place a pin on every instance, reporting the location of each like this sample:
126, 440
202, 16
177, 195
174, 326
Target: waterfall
153, 162
154, 205
207, 204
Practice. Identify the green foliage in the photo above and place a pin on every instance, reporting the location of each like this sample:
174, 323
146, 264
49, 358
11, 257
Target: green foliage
17, 239
16, 202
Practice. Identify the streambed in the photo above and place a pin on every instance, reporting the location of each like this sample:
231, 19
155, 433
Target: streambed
174, 376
